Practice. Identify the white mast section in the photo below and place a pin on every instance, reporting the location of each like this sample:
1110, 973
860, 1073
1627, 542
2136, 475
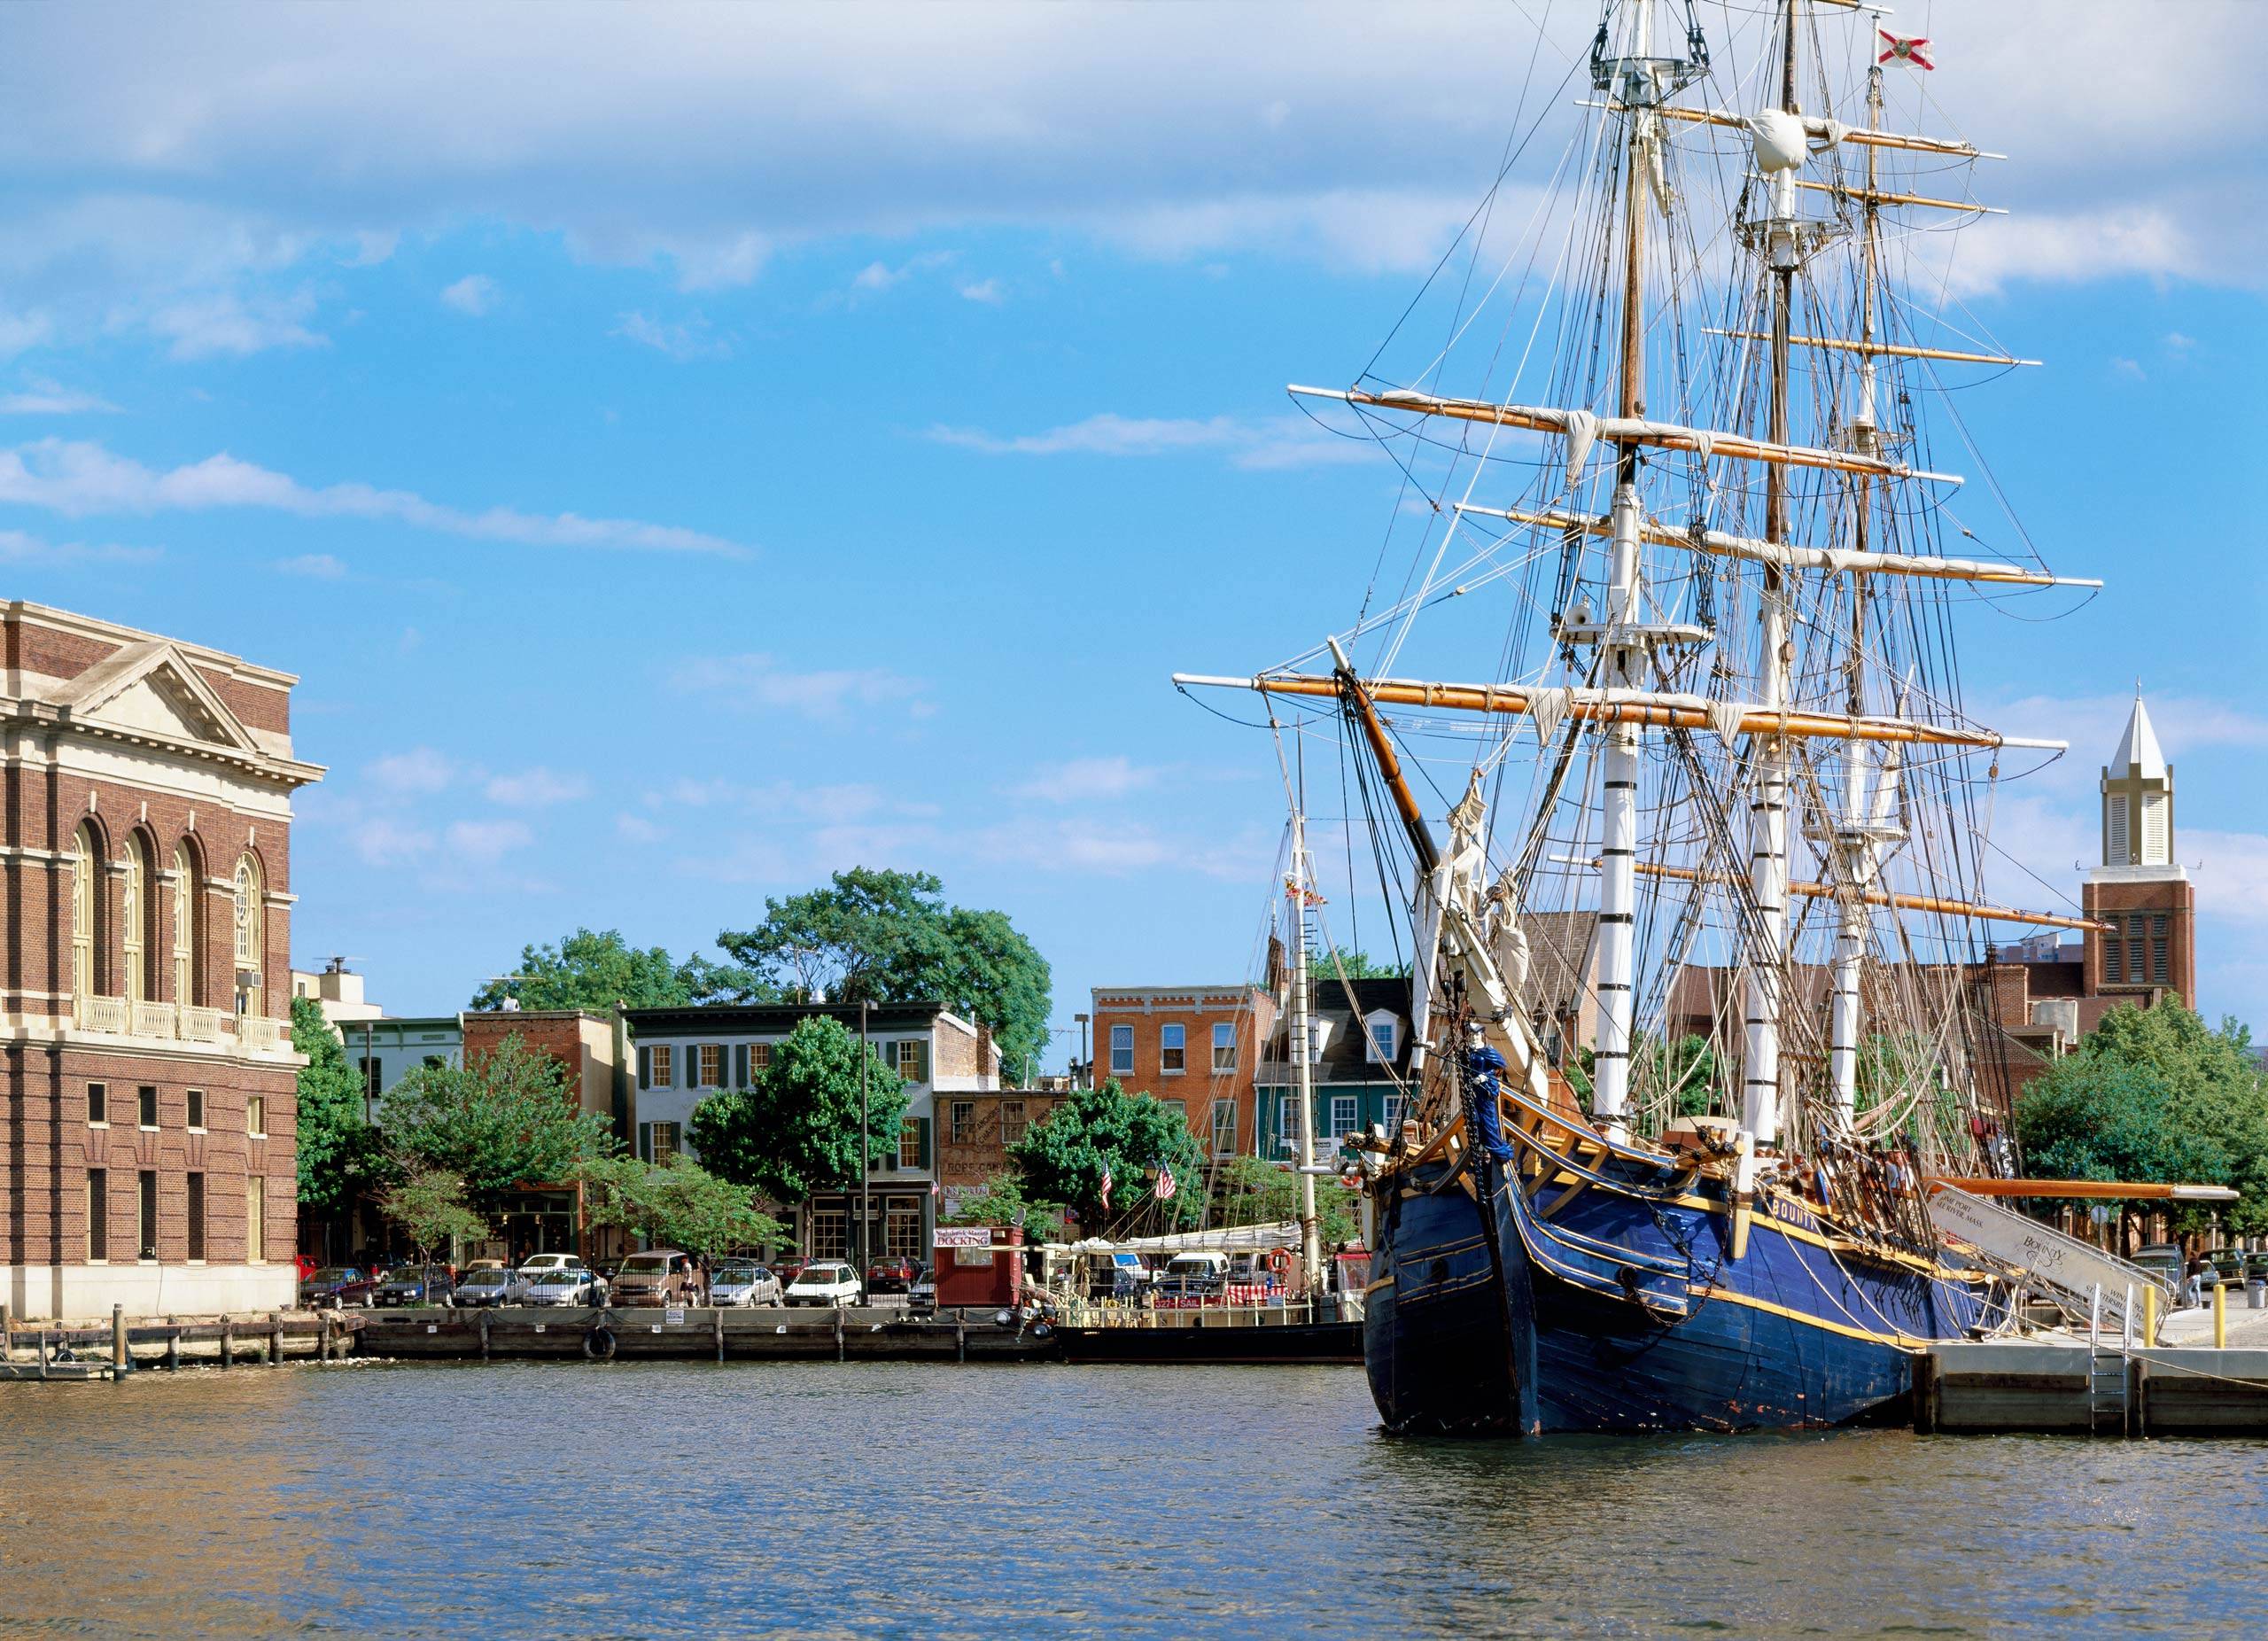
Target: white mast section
1625, 647
1301, 1037
1768, 873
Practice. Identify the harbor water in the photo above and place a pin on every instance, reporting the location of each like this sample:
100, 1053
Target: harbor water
694, 1499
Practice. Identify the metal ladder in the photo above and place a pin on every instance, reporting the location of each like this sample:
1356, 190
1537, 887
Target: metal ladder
2107, 1382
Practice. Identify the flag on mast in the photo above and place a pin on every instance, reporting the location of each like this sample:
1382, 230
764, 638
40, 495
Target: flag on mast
1904, 49
1105, 1188
1165, 1183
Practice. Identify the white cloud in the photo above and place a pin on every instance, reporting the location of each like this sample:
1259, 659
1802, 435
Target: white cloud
835, 803
75, 478
475, 294
1116, 848
637, 830
418, 770
986, 290
1087, 778
225, 322
681, 341
2231, 872
42, 397
315, 566
759, 683
536, 787
16, 548
485, 841
383, 841
1280, 442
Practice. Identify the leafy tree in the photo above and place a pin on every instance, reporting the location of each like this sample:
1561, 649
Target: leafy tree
428, 1205
595, 971
1064, 1158
1255, 1193
1325, 967
795, 1129
2155, 1094
887, 937
1686, 1071
340, 1153
678, 1204
507, 1120
1002, 1200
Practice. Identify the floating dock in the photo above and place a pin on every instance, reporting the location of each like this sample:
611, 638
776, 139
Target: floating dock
703, 1333
2101, 1389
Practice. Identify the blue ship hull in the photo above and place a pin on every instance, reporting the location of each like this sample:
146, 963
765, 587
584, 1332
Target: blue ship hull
1521, 1309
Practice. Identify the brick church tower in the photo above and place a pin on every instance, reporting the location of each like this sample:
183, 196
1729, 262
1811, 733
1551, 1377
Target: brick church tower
2147, 899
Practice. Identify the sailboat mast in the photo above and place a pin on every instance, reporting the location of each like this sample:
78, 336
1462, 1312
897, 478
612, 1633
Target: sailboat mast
1619, 760
1302, 1051
1769, 808
1846, 1019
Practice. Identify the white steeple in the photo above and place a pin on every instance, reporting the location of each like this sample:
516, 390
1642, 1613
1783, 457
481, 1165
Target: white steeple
2137, 802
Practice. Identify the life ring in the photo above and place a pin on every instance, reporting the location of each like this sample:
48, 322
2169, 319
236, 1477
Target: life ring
598, 1345
1280, 1262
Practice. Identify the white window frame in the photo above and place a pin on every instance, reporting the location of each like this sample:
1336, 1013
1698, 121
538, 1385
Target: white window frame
1224, 1108
1288, 1123
1348, 1108
1122, 1051
1381, 1053
1224, 1045
1173, 1049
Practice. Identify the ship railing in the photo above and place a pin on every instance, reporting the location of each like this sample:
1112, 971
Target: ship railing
1284, 1313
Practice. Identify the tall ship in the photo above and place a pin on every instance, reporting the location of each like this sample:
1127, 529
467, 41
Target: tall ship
1653, 722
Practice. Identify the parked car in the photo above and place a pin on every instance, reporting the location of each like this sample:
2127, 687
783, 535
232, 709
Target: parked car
566, 1287
415, 1285
823, 1282
743, 1282
1117, 1276
535, 1264
659, 1275
788, 1267
921, 1297
891, 1276
334, 1288
491, 1285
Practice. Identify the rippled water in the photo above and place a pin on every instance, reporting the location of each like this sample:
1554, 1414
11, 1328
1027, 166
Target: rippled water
803, 1498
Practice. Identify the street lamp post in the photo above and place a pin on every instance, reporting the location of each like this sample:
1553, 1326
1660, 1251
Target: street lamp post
1085, 1079
865, 1166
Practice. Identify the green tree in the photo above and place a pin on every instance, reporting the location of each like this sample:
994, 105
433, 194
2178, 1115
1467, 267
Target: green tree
1685, 1071
428, 1205
678, 1204
596, 971
887, 937
1257, 1192
1064, 1158
340, 1153
1325, 967
795, 1129
507, 1120
1002, 1200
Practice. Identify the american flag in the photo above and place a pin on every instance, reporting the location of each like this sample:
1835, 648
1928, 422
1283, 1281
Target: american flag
1105, 1188
1165, 1182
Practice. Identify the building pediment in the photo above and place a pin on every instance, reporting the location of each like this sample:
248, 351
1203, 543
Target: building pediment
151, 689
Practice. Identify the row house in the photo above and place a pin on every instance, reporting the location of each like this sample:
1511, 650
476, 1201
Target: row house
683, 1055
1358, 1049
1194, 1047
148, 1084
977, 1130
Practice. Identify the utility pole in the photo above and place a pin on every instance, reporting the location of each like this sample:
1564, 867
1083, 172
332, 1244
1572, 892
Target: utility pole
865, 1163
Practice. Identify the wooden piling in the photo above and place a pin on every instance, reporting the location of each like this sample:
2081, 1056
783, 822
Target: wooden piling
42, 1353
960, 1335
228, 1339
717, 1328
1925, 1394
173, 1346
838, 1333
275, 1339
487, 1318
118, 1358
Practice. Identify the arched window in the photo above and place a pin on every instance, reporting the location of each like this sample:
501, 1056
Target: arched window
187, 894
251, 941
134, 910
86, 898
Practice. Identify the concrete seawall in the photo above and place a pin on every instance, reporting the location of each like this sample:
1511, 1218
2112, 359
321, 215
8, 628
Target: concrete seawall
2024, 1386
701, 1333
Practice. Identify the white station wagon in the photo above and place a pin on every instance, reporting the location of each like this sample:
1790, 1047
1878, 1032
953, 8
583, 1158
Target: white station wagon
830, 1282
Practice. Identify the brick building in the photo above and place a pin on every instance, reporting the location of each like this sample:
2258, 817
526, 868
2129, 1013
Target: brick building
977, 1127
683, 1055
1195, 1047
147, 1103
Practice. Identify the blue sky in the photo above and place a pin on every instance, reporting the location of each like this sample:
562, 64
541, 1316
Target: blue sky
688, 451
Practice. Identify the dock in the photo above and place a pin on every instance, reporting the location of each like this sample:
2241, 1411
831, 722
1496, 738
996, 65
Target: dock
108, 1350
2099, 1389
866, 1334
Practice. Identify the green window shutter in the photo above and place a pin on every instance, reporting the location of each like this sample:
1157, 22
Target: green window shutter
645, 1142
739, 1065
923, 1143
922, 1070
645, 1067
